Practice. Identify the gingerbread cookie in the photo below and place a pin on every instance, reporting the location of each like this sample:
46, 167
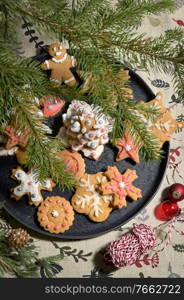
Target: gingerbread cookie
51, 105
74, 162
85, 129
55, 214
29, 186
120, 186
60, 65
127, 149
88, 200
165, 124
16, 137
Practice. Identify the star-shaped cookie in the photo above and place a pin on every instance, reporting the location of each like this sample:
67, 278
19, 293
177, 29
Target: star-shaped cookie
127, 148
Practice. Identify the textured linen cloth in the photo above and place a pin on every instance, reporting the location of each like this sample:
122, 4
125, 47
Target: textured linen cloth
84, 258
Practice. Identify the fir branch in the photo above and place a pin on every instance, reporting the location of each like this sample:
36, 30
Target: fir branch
24, 262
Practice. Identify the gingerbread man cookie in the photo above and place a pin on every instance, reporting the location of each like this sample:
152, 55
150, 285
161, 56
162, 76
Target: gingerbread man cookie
120, 186
60, 65
88, 200
29, 186
55, 214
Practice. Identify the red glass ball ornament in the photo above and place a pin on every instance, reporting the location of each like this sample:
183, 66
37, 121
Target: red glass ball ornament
176, 192
166, 210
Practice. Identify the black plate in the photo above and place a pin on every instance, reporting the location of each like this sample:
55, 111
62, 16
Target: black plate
150, 175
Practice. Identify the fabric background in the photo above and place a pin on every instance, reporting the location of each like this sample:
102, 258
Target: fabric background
84, 258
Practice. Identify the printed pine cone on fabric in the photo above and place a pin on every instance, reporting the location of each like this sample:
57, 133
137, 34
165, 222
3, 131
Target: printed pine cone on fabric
18, 238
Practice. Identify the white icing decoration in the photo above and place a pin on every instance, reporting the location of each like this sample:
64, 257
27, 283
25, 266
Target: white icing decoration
59, 61
5, 152
122, 184
95, 199
29, 185
78, 110
128, 147
55, 213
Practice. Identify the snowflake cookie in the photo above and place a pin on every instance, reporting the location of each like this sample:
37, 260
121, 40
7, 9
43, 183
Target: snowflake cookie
120, 186
88, 200
55, 214
29, 186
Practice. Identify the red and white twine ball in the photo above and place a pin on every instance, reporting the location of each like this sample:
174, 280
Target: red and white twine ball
127, 249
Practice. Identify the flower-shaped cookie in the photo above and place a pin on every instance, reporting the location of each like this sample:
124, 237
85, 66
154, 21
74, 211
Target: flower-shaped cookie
120, 186
55, 214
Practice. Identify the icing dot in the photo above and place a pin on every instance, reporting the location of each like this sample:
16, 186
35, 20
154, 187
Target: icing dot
57, 227
88, 122
42, 219
67, 211
48, 225
128, 147
19, 189
19, 175
46, 204
54, 213
122, 184
63, 225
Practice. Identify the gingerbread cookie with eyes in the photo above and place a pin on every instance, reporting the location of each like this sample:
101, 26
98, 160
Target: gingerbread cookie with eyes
60, 65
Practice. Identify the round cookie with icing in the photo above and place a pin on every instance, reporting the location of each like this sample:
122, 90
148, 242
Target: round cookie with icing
55, 214
30, 186
74, 162
88, 200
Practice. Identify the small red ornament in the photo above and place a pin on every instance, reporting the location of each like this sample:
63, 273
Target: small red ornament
166, 210
176, 192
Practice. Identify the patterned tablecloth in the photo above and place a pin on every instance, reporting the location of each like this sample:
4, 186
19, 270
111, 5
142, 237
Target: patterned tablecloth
84, 258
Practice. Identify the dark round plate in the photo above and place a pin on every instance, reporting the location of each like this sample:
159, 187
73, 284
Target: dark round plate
150, 175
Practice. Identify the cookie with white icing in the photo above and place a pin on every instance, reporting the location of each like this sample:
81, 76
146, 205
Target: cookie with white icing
55, 214
88, 200
29, 185
85, 129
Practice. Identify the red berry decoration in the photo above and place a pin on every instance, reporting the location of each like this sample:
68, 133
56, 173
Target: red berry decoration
176, 192
166, 210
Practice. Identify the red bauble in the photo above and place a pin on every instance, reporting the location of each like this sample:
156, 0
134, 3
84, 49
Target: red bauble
176, 192
166, 210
